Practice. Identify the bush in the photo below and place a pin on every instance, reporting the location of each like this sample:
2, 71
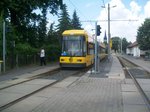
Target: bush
52, 52
147, 55
25, 49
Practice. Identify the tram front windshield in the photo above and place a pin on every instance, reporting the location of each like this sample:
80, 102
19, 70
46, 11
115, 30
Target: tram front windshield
73, 46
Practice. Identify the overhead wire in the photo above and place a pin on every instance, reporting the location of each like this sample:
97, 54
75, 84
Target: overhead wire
79, 11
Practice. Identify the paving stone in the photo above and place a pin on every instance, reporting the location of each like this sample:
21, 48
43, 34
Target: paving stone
49, 92
17, 81
4, 85
26, 105
28, 87
148, 94
144, 81
22, 88
128, 81
11, 82
8, 97
116, 70
135, 108
128, 88
145, 87
91, 96
40, 81
25, 75
132, 98
67, 82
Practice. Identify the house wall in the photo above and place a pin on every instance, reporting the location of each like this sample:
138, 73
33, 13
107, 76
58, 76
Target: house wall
136, 51
129, 51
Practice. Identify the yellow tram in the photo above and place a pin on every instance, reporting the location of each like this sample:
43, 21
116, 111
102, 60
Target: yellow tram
77, 51
102, 51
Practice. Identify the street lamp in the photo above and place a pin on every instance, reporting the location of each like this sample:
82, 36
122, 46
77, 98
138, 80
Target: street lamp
109, 50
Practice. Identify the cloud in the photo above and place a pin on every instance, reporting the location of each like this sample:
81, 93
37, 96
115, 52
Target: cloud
146, 9
124, 28
135, 8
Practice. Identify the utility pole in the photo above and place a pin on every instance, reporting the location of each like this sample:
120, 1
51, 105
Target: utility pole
109, 31
109, 49
96, 64
4, 46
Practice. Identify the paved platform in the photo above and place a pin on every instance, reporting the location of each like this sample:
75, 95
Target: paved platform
116, 70
107, 91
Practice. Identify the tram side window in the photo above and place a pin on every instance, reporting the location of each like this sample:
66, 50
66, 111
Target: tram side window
84, 48
90, 49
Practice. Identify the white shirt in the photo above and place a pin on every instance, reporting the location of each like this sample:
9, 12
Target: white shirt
42, 54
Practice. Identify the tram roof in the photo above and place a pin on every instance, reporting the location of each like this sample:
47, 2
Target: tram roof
74, 32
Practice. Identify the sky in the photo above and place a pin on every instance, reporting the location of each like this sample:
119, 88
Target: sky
126, 16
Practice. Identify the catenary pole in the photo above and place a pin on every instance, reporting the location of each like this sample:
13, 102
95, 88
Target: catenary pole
96, 47
4, 46
109, 31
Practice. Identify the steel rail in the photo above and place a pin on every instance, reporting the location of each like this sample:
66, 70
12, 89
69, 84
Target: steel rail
145, 97
44, 87
32, 78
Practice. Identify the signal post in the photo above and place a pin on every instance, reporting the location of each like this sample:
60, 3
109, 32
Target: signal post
97, 57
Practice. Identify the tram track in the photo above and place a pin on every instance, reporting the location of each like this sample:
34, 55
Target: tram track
55, 79
136, 72
31, 78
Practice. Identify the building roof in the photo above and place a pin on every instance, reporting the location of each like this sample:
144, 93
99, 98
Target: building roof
133, 44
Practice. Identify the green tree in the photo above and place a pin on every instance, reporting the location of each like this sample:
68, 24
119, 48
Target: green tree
25, 24
75, 21
22, 10
52, 37
1, 39
21, 15
53, 45
115, 43
42, 28
64, 20
124, 44
143, 35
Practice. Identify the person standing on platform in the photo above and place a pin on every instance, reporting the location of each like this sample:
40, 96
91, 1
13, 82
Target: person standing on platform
42, 57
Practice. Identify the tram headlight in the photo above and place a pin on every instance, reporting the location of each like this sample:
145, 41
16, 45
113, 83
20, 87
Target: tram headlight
62, 60
79, 60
